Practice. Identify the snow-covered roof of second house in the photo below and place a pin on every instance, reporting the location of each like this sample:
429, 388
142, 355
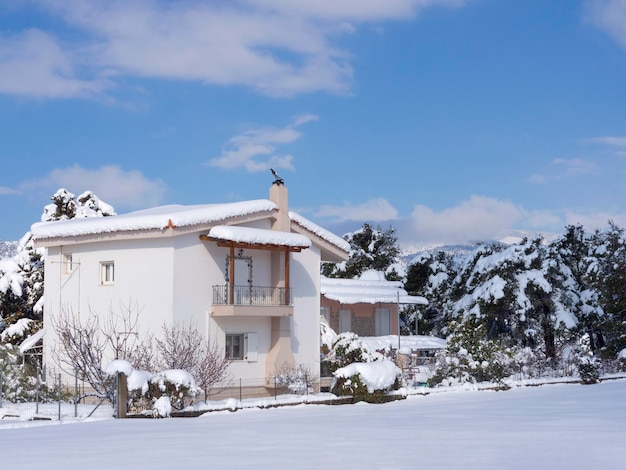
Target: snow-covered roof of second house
370, 288
413, 343
259, 236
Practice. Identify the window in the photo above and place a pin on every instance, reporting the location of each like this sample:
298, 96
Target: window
234, 346
345, 321
242, 346
68, 263
325, 312
107, 273
382, 321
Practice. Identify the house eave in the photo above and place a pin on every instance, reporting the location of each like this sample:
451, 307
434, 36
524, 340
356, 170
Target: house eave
168, 230
330, 253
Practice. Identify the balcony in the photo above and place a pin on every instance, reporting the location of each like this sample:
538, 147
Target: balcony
251, 301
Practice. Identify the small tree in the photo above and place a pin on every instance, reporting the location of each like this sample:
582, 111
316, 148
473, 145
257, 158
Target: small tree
185, 348
85, 344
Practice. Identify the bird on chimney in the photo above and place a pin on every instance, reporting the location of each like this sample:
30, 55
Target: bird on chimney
277, 179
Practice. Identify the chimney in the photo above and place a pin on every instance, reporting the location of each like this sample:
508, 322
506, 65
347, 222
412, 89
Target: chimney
279, 196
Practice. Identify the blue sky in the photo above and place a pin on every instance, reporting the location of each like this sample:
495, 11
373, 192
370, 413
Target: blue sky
449, 120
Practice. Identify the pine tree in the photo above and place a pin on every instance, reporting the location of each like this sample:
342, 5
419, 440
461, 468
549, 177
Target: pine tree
371, 248
608, 276
22, 276
63, 207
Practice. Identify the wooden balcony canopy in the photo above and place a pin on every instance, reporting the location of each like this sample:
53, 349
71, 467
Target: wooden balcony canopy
231, 236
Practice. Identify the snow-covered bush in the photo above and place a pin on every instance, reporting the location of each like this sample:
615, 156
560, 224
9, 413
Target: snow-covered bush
621, 360
19, 382
162, 407
348, 348
368, 382
589, 370
469, 357
176, 384
327, 337
298, 380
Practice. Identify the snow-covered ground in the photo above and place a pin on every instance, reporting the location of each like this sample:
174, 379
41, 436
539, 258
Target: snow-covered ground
563, 426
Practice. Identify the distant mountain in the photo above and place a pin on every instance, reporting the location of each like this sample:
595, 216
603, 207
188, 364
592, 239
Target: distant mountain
461, 250
7, 249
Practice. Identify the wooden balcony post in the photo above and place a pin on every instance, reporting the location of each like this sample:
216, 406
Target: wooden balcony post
231, 278
287, 277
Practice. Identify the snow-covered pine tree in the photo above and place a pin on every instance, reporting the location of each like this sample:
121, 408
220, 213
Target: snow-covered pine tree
429, 275
607, 270
21, 276
525, 294
370, 248
63, 207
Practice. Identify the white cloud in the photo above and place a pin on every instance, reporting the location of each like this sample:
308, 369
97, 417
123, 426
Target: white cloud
122, 189
278, 47
613, 141
255, 149
478, 218
594, 219
374, 210
4, 191
565, 168
610, 16
34, 64
354, 10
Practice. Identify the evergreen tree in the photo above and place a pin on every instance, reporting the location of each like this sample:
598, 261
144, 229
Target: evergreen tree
429, 276
63, 207
608, 275
371, 248
22, 276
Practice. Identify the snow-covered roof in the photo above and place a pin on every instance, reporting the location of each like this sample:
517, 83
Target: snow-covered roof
319, 231
258, 236
178, 216
370, 288
157, 218
413, 343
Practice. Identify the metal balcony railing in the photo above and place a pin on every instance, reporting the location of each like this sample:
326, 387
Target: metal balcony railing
251, 295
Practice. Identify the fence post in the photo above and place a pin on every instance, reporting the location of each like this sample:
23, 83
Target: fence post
60, 396
239, 388
75, 393
122, 394
37, 391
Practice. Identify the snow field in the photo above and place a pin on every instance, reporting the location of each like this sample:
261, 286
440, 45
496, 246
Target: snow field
561, 426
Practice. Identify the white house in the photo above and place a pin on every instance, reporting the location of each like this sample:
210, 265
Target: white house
246, 274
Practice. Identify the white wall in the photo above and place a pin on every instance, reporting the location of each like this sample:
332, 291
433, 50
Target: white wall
143, 283
305, 279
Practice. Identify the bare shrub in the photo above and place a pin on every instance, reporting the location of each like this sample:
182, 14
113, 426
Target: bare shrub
85, 344
298, 380
185, 348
